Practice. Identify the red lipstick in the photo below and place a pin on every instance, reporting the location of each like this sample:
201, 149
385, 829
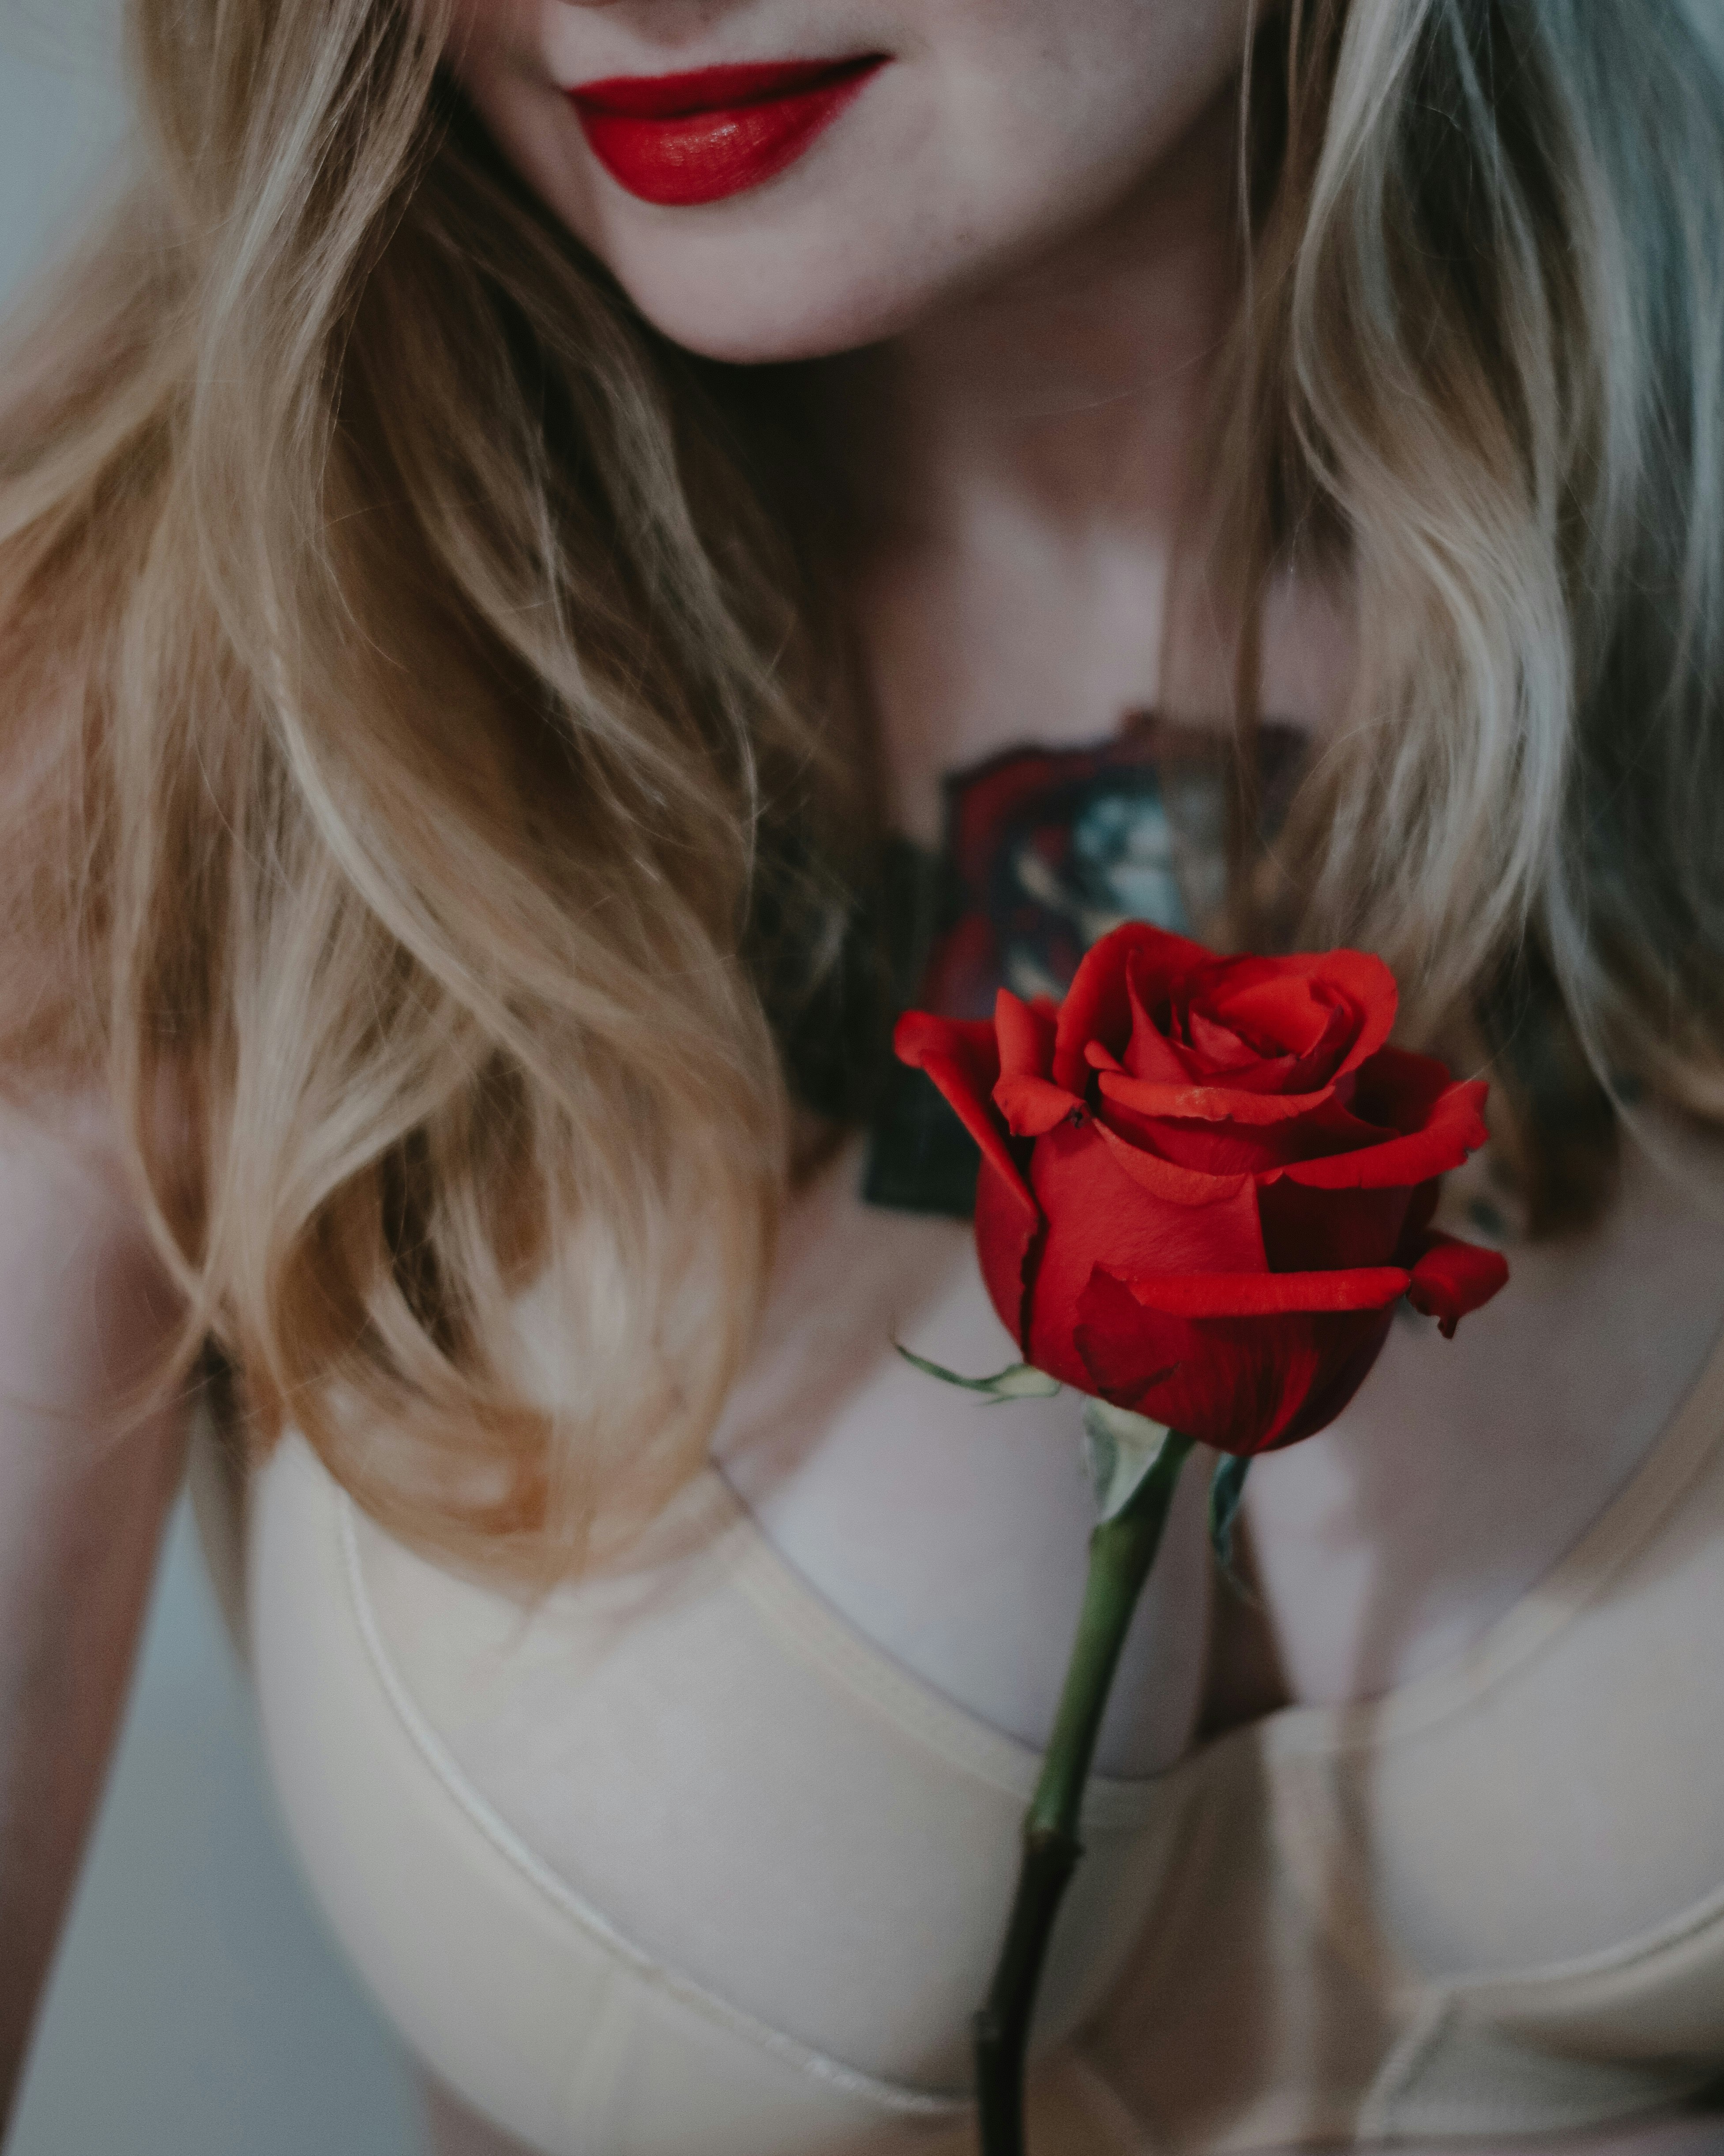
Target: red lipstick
681, 139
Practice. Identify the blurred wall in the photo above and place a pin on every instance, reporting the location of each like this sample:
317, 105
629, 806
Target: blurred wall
195, 2009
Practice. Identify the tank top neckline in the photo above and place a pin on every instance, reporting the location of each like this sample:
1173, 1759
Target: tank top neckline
1682, 1450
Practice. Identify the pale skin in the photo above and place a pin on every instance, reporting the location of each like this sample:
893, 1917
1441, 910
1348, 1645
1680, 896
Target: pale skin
84, 1488
1033, 204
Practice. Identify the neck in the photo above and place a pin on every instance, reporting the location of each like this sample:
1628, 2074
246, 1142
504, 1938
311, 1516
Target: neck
1070, 393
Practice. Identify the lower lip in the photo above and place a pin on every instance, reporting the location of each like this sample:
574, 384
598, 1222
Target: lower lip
680, 140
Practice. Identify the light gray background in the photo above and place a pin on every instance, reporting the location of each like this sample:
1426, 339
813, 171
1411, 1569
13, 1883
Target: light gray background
195, 2009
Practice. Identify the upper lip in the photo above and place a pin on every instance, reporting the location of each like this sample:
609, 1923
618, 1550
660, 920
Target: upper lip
714, 89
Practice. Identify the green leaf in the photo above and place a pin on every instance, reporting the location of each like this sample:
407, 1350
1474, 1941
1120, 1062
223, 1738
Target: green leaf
1121, 1448
1017, 1382
1227, 1492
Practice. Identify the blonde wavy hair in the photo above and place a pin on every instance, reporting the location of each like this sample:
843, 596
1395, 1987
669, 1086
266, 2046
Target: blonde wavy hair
432, 773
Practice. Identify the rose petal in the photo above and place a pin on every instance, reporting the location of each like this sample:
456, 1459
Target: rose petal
1371, 987
1209, 1104
961, 1056
1456, 1129
1097, 1005
1275, 1074
1399, 1089
1280, 1015
1322, 1064
1025, 1035
1224, 1150
1451, 1277
1315, 1066
1165, 1179
1220, 1150
1033, 1105
1245, 1149
1100, 1212
1150, 1053
1009, 1241
1421, 1205
1359, 989
1023, 1096
1218, 1046
918, 1034
1333, 1228
1241, 1385
1259, 1295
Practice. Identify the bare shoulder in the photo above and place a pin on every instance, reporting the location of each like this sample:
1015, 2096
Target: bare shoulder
87, 1304
90, 1452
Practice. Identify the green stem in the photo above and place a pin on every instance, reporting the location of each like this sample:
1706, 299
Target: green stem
1121, 1551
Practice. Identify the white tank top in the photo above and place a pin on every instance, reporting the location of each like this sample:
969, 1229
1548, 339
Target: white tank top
1490, 1903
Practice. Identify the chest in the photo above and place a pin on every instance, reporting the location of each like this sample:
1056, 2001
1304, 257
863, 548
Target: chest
1464, 1470
1025, 633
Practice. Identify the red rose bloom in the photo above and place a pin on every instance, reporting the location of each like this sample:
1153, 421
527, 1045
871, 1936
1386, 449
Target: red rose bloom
1206, 1182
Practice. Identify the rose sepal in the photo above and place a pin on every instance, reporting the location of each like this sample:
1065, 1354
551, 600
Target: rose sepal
1227, 1493
1017, 1381
1121, 1448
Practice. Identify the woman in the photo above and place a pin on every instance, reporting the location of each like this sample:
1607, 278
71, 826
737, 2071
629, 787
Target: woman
554, 556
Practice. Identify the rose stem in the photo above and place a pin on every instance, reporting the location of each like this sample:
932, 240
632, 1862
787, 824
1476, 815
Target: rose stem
1121, 1551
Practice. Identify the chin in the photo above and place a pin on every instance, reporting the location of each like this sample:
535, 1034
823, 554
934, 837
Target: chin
759, 313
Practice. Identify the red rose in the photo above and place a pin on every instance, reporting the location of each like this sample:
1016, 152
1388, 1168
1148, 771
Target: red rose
1206, 1182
